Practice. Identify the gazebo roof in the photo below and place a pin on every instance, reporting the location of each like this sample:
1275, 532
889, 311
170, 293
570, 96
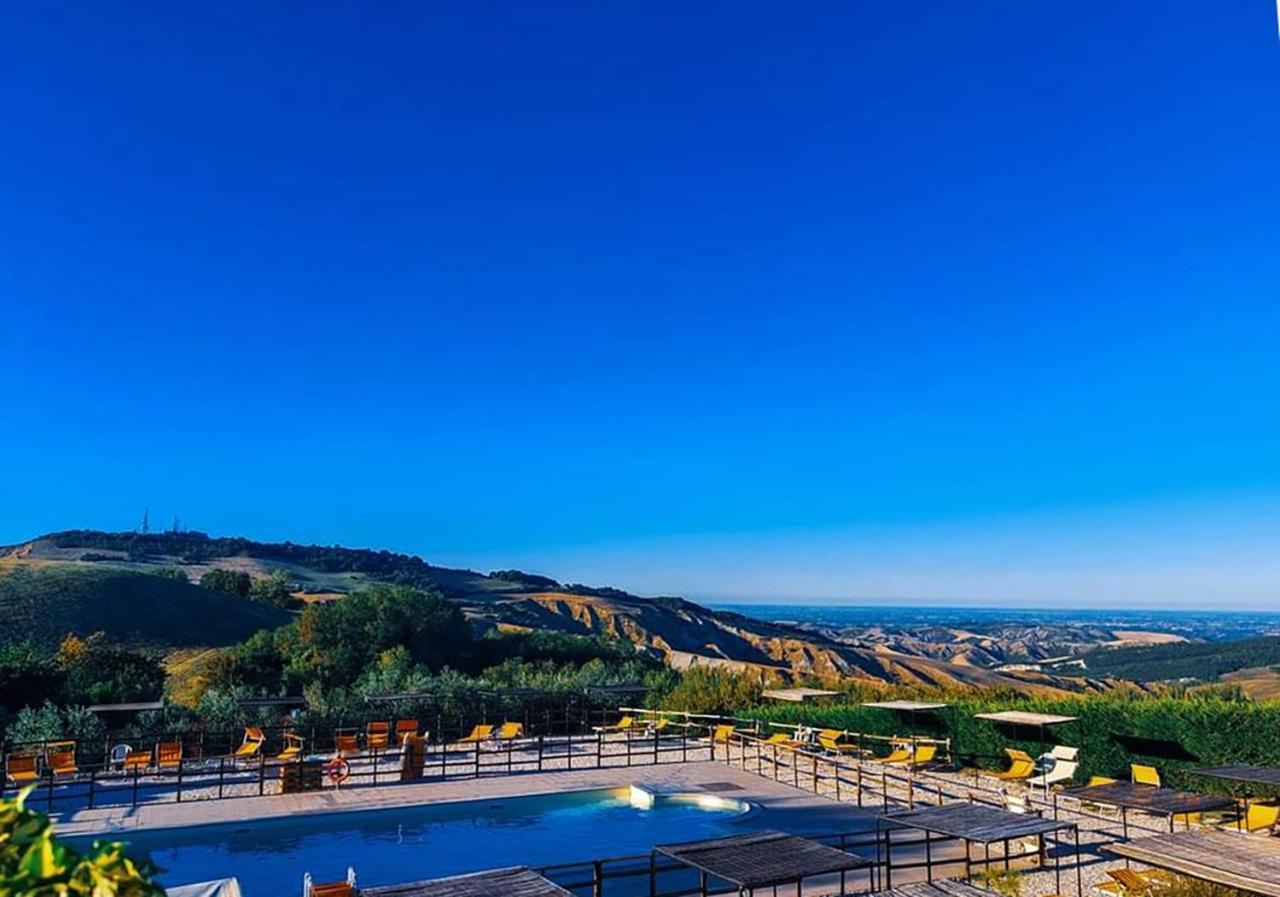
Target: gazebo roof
1149, 798
907, 706
976, 822
761, 859
1025, 718
1232, 859
131, 707
1254, 775
799, 695
517, 881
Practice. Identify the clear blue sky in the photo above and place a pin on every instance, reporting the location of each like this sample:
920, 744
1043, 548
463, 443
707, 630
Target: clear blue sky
929, 301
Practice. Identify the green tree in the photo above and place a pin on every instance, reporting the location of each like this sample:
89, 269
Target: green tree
275, 590
176, 573
233, 582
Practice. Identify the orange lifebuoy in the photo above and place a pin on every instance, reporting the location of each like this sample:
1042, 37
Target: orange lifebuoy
338, 770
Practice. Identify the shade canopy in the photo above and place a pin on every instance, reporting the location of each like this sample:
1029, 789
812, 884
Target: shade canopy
133, 707
1025, 718
907, 706
285, 701
516, 881
1251, 775
799, 695
1231, 859
761, 859
1150, 799
978, 823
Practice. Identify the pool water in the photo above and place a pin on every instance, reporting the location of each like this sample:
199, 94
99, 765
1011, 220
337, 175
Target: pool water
389, 846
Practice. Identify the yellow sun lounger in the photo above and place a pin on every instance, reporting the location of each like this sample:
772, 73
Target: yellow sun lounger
782, 740
478, 734
1021, 767
20, 767
252, 745
923, 753
900, 754
625, 724
292, 748
829, 741
1144, 775
722, 734
510, 732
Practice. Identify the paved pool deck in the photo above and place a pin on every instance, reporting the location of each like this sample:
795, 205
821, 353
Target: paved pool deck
784, 806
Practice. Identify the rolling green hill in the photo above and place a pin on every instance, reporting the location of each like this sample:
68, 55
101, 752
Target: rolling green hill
1201, 662
136, 609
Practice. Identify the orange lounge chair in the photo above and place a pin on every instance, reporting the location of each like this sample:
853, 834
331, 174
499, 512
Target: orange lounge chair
347, 744
136, 761
377, 735
251, 747
61, 758
21, 767
405, 728
478, 734
169, 754
1021, 767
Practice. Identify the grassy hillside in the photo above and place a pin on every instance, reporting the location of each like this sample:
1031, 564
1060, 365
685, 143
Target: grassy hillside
43, 605
1202, 662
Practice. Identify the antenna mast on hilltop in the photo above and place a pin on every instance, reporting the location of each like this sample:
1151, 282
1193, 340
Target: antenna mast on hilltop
146, 521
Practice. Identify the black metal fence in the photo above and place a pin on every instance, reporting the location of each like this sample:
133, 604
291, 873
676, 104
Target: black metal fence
224, 777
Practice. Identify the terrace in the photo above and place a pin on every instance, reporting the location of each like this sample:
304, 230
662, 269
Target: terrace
898, 823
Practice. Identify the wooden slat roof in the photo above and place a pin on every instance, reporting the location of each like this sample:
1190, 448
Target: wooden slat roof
1149, 798
976, 822
936, 888
516, 881
1025, 718
133, 706
1254, 775
1234, 859
908, 706
760, 859
798, 695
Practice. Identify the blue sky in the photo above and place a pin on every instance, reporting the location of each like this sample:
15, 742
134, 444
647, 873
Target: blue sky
962, 302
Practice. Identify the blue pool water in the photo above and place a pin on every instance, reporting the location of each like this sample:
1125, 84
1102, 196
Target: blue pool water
389, 846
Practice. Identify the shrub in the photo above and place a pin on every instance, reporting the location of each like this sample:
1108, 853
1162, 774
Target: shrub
33, 863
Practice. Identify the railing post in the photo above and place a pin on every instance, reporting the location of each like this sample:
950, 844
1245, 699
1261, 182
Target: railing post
477, 775
540, 740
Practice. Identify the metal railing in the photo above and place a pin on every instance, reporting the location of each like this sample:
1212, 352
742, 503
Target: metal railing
226, 777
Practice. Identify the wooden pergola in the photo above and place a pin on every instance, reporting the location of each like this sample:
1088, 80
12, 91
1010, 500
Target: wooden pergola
516, 881
798, 695
979, 824
1232, 859
764, 859
1151, 799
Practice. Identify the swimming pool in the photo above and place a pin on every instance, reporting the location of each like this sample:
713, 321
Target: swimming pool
388, 846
